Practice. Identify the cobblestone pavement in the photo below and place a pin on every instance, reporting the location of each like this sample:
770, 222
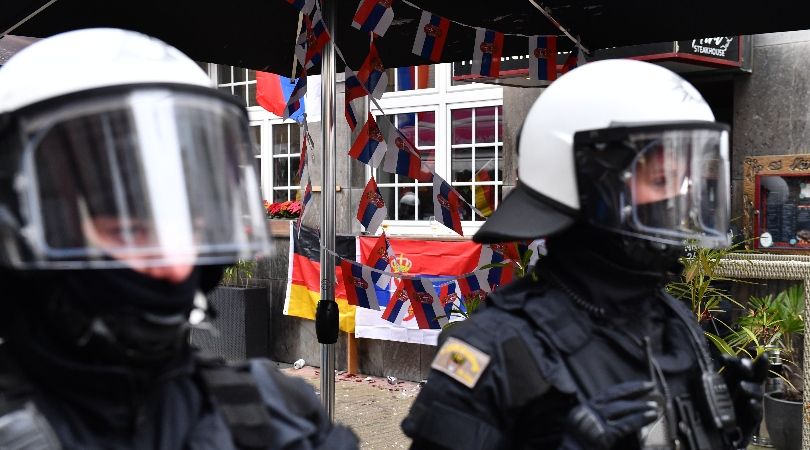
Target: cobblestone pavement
373, 407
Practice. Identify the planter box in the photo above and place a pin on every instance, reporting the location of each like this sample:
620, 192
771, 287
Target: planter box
242, 324
783, 419
280, 227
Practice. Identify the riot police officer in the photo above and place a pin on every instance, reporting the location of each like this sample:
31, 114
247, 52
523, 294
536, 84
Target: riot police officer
620, 163
126, 185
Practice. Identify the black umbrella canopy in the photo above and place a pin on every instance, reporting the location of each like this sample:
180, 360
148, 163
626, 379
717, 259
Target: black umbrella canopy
260, 34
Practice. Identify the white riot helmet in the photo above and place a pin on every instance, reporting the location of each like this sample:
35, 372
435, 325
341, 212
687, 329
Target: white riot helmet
625, 146
115, 145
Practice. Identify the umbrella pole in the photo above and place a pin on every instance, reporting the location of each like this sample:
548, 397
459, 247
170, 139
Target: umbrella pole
326, 319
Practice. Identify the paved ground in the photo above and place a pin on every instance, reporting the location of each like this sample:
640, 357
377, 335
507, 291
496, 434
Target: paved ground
372, 407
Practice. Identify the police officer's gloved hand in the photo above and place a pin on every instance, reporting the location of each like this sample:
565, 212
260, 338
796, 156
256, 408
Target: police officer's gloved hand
744, 379
618, 412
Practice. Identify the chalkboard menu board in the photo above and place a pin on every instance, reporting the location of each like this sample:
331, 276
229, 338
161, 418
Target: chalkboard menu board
783, 211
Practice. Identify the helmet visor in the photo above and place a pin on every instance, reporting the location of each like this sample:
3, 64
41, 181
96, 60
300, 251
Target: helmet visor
156, 177
678, 185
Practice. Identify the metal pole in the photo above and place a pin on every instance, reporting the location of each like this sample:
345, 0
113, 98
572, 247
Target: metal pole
328, 329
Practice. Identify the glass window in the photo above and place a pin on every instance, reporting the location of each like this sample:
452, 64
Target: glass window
411, 78
286, 158
237, 81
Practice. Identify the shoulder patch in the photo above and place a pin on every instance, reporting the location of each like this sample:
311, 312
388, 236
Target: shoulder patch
460, 361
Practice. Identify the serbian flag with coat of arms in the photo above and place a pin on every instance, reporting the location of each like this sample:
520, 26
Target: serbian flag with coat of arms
369, 147
543, 57
431, 36
446, 204
475, 284
372, 210
497, 254
400, 156
372, 73
373, 16
487, 53
380, 258
359, 285
355, 93
311, 40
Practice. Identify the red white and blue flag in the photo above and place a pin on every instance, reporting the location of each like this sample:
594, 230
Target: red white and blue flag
355, 93
475, 284
451, 300
400, 157
372, 73
372, 210
359, 285
543, 57
303, 159
373, 16
446, 205
575, 59
306, 198
498, 253
398, 305
369, 147
380, 258
487, 53
311, 40
427, 309
304, 6
297, 96
431, 36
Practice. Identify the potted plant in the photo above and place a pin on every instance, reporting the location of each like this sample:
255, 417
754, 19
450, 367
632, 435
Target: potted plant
280, 213
238, 323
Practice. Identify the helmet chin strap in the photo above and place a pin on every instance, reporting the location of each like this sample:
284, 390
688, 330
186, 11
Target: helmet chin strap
647, 256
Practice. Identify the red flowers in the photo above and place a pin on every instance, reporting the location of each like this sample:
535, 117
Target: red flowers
290, 209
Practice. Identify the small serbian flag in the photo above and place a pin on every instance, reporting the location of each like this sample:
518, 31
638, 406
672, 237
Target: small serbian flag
372, 73
425, 303
400, 156
372, 210
543, 57
380, 258
304, 6
370, 146
305, 200
450, 298
302, 160
311, 41
498, 253
430, 36
355, 92
373, 16
475, 285
487, 53
575, 59
358, 284
446, 204
294, 103
398, 305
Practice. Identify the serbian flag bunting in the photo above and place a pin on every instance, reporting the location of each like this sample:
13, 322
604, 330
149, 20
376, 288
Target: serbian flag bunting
304, 6
398, 305
380, 258
446, 204
425, 303
358, 284
372, 210
355, 92
400, 156
294, 103
305, 199
372, 73
450, 298
575, 59
311, 40
430, 36
369, 147
543, 57
374, 16
487, 53
498, 253
475, 284
302, 160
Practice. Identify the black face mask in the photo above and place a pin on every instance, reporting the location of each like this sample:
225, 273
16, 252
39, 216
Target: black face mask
661, 212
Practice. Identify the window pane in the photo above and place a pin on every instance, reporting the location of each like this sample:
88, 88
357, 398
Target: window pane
251, 100
223, 73
239, 91
279, 172
407, 124
485, 198
225, 89
428, 158
485, 160
461, 164
296, 180
407, 204
428, 73
257, 166
500, 162
461, 126
280, 139
388, 197
485, 124
465, 192
384, 177
281, 195
426, 128
500, 123
251, 75
256, 134
295, 139
391, 87
425, 202
238, 74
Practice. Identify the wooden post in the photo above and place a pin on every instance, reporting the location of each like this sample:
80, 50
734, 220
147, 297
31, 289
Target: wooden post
351, 354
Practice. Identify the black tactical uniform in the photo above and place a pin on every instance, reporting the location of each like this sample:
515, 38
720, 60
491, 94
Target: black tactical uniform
582, 326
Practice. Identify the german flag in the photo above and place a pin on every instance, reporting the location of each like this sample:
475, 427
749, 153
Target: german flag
304, 276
